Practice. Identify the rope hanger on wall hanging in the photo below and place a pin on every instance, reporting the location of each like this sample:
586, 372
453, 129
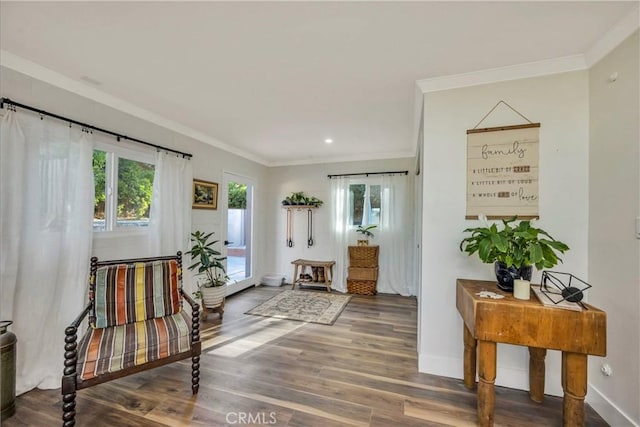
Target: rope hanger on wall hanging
530, 124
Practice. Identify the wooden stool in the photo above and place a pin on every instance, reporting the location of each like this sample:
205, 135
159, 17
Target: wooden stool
327, 267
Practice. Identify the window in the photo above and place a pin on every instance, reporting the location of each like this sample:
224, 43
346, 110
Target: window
364, 203
123, 186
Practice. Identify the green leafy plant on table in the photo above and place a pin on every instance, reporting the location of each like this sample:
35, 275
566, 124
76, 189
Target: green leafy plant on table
514, 248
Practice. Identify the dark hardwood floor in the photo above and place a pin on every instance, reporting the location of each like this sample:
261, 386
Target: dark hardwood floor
362, 371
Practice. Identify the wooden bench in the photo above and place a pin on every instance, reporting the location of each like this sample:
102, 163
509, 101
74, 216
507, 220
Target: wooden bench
327, 267
136, 322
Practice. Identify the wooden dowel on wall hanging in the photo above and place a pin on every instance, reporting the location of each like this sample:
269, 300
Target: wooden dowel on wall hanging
499, 128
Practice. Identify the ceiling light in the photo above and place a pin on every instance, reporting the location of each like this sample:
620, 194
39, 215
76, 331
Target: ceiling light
328, 141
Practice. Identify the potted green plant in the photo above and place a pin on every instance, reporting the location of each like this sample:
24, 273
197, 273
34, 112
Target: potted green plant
513, 249
366, 233
208, 262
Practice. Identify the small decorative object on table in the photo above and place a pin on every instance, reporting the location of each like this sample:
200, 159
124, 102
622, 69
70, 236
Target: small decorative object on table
514, 249
521, 289
558, 287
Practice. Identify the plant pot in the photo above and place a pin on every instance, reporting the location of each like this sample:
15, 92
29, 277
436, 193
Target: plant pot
213, 297
363, 242
506, 276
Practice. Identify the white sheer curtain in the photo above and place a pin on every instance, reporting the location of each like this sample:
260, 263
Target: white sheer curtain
340, 221
395, 237
47, 213
170, 216
394, 234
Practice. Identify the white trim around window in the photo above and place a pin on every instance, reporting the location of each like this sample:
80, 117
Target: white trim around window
115, 152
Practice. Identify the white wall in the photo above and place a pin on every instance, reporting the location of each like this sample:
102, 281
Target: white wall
560, 103
614, 251
312, 179
208, 162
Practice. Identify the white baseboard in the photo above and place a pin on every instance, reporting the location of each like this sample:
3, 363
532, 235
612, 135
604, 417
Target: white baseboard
607, 409
505, 377
519, 379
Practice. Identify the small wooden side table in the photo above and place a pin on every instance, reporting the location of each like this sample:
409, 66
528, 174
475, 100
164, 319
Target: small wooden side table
304, 263
527, 322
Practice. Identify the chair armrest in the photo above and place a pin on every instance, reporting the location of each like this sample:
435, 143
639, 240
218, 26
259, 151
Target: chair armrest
195, 319
80, 318
71, 353
194, 305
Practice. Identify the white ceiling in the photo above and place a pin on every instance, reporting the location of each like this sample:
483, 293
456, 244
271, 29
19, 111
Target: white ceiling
272, 80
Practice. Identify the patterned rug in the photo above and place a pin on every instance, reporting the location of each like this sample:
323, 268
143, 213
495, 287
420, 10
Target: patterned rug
305, 306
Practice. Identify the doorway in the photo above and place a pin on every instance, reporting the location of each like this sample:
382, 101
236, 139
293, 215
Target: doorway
238, 229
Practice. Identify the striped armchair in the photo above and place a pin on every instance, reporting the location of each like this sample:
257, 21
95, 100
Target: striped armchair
136, 322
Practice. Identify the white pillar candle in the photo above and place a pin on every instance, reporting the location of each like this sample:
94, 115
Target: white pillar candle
521, 289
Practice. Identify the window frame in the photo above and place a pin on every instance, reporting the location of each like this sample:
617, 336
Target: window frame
113, 154
368, 183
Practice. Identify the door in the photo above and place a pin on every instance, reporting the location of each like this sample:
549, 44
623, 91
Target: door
238, 230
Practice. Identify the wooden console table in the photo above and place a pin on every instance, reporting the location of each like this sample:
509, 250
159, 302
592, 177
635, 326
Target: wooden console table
508, 320
304, 263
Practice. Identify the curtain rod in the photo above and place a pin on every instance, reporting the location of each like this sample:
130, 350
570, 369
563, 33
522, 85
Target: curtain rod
369, 173
88, 126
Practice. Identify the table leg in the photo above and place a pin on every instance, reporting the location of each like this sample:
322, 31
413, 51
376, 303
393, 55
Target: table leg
574, 378
536, 373
327, 279
486, 383
469, 358
295, 276
564, 371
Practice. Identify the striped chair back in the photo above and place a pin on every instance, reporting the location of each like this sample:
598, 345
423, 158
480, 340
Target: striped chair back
123, 293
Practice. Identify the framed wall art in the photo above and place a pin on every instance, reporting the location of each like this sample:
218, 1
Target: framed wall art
502, 172
205, 195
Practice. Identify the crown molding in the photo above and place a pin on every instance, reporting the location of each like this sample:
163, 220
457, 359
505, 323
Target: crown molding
38, 72
342, 159
616, 35
501, 74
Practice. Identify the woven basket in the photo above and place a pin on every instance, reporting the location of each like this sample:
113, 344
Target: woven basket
362, 273
361, 287
363, 256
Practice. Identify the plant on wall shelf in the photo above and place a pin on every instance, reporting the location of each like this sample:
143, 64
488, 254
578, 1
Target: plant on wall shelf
298, 198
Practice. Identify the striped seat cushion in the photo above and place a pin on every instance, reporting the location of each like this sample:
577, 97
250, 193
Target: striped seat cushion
107, 350
128, 293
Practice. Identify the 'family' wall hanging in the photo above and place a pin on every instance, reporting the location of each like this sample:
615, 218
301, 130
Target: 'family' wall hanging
502, 170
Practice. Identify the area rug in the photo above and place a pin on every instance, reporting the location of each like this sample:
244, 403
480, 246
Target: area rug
305, 306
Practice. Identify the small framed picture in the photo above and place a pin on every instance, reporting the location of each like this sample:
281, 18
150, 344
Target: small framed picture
205, 195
